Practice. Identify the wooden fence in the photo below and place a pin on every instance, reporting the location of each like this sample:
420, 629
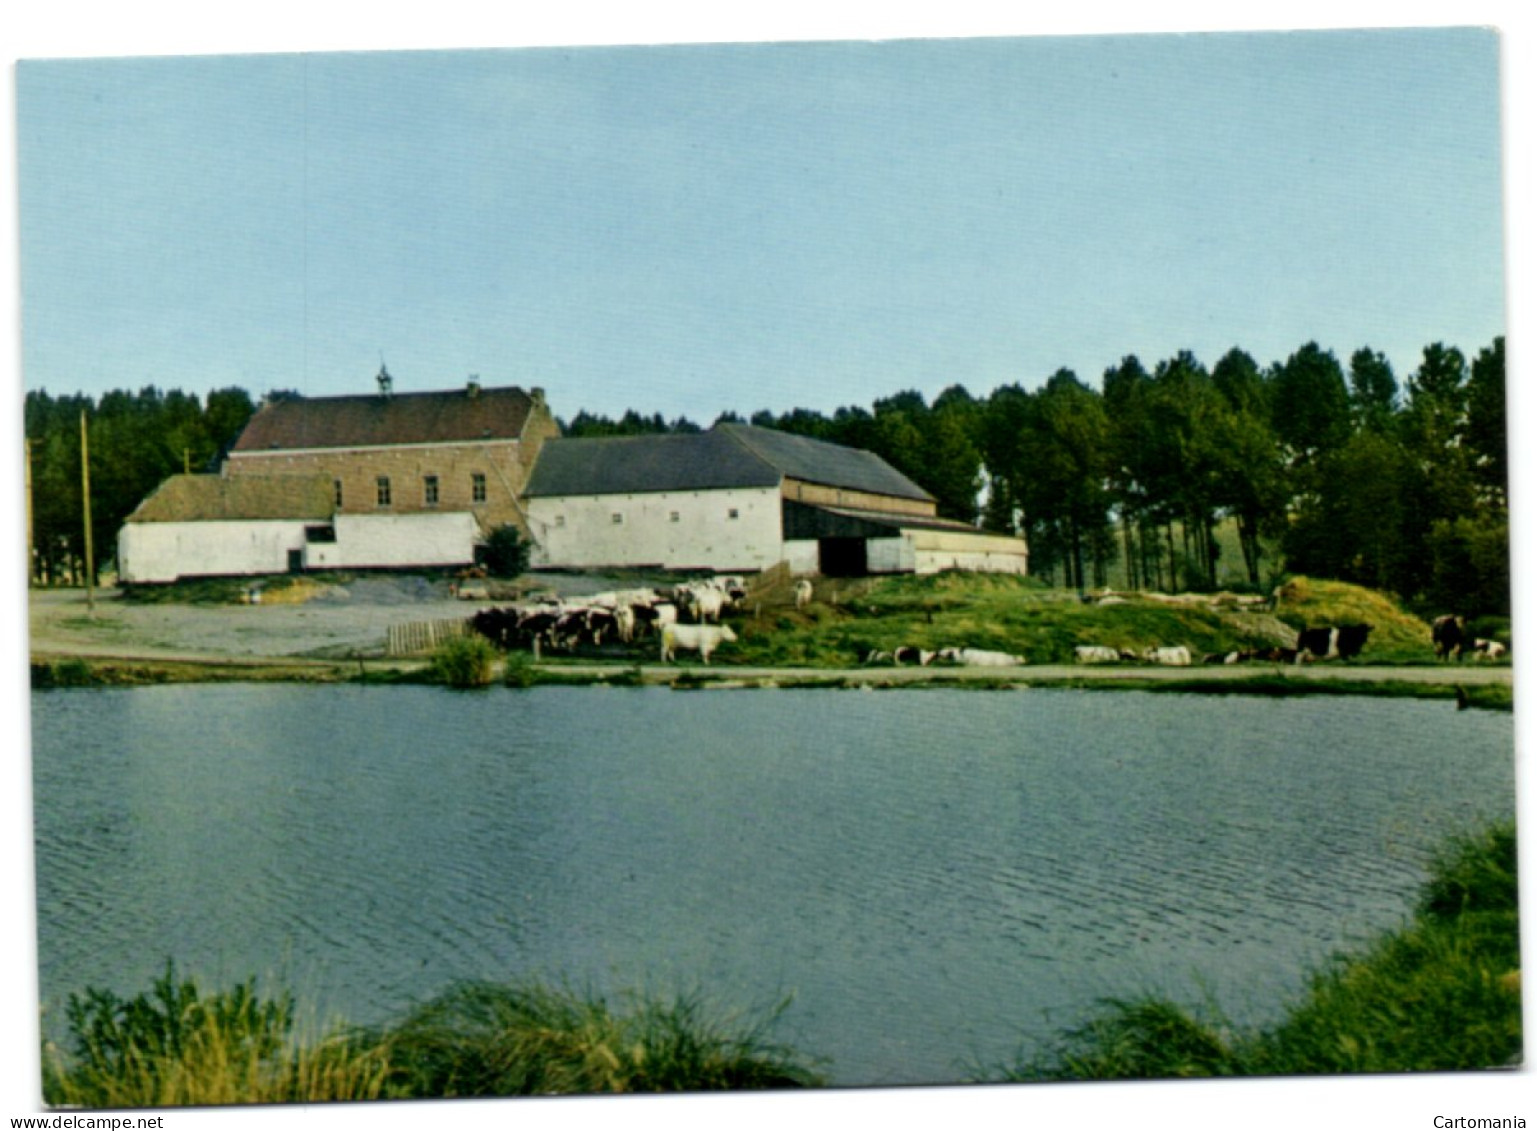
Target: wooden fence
423, 635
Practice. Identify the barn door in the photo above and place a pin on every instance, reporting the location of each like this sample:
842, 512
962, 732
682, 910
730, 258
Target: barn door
295, 561
842, 557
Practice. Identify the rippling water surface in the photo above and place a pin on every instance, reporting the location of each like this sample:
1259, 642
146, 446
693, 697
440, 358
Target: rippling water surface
941, 878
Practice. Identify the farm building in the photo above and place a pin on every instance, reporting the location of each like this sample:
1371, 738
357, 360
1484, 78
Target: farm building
408, 453
210, 526
386, 481
739, 497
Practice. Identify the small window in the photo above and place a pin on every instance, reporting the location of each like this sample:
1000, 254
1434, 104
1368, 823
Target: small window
672, 516
616, 518
478, 487
383, 490
733, 513
320, 533
337, 483
560, 520
430, 490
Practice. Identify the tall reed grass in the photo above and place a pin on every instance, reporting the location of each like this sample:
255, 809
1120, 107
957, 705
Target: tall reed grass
175, 1047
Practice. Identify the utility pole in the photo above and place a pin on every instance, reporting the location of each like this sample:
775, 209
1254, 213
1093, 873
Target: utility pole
85, 494
27, 444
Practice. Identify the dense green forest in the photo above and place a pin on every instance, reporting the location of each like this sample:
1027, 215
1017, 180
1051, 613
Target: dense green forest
1310, 466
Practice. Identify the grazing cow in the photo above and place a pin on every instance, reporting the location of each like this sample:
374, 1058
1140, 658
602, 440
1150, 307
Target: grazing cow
1096, 654
1343, 642
1176, 657
802, 593
701, 638
977, 658
624, 622
1488, 649
1449, 634
1224, 657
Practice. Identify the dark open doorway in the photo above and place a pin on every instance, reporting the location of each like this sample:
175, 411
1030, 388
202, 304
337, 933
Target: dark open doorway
842, 557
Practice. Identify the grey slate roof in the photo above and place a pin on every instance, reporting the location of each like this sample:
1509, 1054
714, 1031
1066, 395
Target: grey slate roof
213, 498
625, 465
831, 465
729, 455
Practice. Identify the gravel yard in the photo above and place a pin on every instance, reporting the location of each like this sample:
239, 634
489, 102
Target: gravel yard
340, 622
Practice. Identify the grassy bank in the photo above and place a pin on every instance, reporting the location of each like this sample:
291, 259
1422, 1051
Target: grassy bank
1043, 625
1441, 994
175, 1046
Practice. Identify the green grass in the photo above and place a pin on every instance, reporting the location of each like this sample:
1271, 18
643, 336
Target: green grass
1043, 625
485, 1039
1440, 994
175, 1046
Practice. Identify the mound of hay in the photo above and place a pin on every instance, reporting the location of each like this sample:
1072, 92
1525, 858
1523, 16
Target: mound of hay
1307, 601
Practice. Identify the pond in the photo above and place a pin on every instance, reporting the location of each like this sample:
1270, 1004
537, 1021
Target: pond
941, 878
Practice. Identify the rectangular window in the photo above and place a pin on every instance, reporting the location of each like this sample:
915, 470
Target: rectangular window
382, 485
672, 516
338, 485
616, 518
560, 520
733, 513
478, 487
430, 490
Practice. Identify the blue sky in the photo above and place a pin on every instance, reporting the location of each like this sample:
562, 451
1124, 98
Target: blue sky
689, 229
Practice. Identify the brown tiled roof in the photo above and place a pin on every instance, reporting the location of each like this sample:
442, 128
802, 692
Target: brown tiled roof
211, 498
372, 421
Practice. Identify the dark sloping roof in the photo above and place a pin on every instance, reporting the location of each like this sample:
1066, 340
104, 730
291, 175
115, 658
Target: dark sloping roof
212, 498
401, 418
729, 455
816, 461
624, 465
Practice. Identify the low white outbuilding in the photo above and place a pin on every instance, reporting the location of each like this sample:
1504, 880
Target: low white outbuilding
213, 526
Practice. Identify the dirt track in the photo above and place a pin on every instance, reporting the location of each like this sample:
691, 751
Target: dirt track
347, 625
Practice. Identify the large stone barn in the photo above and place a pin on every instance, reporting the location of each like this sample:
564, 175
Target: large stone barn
393, 453
386, 481
740, 498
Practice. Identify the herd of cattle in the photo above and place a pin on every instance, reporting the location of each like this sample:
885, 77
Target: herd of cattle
687, 617
626, 615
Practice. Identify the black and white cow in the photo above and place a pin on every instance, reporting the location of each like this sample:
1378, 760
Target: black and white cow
1342, 642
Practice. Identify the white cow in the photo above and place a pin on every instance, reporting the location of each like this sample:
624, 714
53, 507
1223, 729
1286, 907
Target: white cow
701, 638
1096, 654
802, 593
977, 658
1175, 657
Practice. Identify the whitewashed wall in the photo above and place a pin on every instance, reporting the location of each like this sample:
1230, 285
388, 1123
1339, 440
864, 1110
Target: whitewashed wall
936, 550
164, 551
673, 529
802, 557
889, 555
396, 541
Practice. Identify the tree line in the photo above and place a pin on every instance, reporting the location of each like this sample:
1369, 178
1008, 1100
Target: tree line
1318, 467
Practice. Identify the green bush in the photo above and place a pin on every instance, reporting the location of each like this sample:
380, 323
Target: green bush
520, 671
465, 661
505, 552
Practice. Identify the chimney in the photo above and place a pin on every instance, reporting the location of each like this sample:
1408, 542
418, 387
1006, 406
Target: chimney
472, 388
386, 382
536, 394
